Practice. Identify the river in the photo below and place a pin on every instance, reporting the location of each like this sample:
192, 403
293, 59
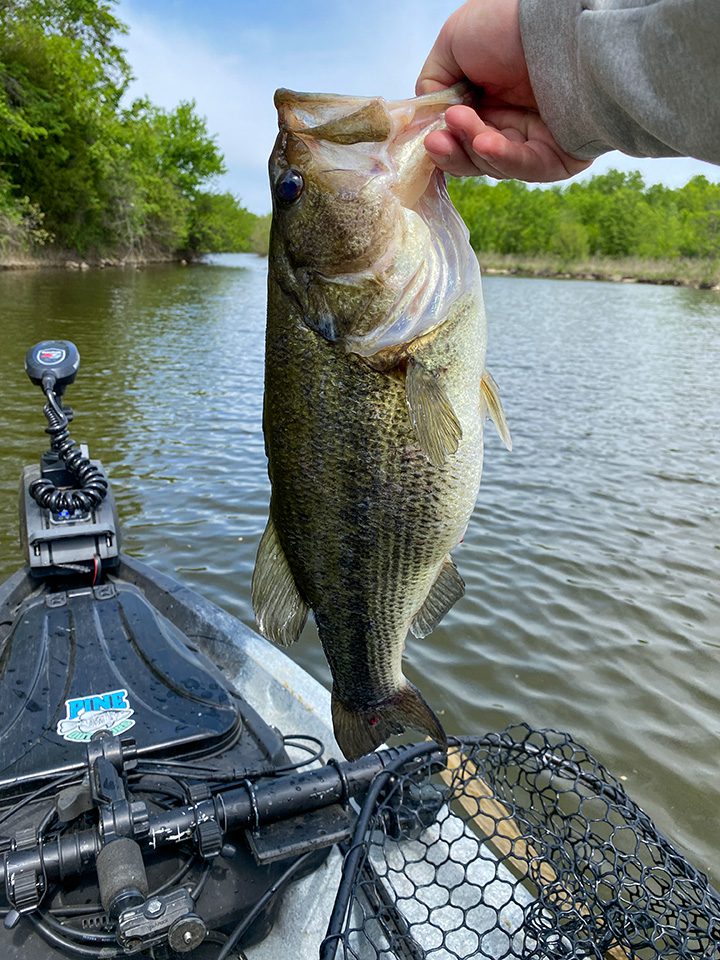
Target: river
592, 560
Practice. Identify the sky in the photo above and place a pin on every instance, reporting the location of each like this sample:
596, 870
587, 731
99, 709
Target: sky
231, 56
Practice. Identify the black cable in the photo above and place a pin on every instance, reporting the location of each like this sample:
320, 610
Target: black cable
215, 936
183, 871
249, 917
183, 768
83, 910
49, 818
83, 936
294, 740
53, 785
67, 946
358, 846
93, 486
200, 885
201, 754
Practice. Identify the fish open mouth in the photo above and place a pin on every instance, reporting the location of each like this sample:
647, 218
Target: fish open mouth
427, 263
400, 126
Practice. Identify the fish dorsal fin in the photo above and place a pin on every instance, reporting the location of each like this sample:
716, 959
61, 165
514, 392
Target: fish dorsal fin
436, 427
280, 611
445, 592
493, 404
369, 124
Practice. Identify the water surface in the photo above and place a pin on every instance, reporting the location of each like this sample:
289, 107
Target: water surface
593, 557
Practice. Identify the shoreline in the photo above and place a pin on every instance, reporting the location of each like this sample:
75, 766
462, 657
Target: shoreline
72, 260
695, 274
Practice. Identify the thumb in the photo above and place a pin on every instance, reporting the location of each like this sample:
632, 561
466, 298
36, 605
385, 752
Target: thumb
441, 69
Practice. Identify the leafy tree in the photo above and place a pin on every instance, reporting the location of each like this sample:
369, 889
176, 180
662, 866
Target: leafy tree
260, 235
102, 177
570, 240
221, 224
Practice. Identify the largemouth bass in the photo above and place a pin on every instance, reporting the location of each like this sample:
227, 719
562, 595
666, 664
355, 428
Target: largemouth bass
375, 397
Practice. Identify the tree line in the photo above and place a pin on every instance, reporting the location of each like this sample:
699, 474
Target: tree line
611, 215
86, 170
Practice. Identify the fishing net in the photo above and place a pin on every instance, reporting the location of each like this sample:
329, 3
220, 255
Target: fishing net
522, 847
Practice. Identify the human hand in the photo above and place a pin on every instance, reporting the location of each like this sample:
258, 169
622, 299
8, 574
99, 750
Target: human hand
504, 136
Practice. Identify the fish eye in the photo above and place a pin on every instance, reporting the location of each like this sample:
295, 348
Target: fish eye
289, 187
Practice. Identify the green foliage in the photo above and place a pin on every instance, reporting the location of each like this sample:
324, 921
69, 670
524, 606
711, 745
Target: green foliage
611, 215
21, 223
221, 225
80, 168
570, 241
260, 235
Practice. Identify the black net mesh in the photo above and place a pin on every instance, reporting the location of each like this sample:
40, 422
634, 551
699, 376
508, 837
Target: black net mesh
523, 847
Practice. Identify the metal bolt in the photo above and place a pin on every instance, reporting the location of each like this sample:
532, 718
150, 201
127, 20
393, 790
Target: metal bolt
153, 907
187, 933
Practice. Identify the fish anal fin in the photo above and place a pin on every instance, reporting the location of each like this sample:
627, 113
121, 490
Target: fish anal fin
493, 403
436, 426
360, 731
280, 611
444, 593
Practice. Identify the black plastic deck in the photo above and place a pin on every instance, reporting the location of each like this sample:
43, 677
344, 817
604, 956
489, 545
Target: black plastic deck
108, 647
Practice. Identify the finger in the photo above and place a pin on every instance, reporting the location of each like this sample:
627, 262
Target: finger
504, 117
516, 143
464, 123
463, 126
530, 160
452, 157
440, 70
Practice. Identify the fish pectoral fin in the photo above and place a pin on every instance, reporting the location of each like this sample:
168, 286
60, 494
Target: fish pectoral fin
444, 593
492, 405
280, 611
434, 421
360, 731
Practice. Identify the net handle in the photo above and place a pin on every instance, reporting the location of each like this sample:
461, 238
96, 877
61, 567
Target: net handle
502, 833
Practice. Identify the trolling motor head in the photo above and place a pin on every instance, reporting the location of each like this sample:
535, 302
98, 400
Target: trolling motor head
68, 522
52, 364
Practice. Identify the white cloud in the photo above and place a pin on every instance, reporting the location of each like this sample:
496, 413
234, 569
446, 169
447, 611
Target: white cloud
382, 55
170, 66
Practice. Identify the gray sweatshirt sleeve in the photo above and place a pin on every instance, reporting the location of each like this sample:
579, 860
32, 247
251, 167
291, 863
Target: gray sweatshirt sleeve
641, 76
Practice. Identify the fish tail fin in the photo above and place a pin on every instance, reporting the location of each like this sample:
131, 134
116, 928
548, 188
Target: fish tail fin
360, 731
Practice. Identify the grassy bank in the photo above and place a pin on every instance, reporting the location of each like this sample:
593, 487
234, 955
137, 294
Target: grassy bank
239, 231
703, 274
52, 258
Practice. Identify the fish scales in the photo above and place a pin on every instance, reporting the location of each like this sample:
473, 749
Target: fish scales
364, 508
376, 517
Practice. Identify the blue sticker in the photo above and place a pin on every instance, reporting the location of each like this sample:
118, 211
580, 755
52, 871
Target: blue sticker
84, 716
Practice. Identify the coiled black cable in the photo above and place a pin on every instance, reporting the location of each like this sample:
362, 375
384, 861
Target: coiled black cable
92, 485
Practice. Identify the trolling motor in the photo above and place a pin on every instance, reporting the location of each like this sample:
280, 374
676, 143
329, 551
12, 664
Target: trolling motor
68, 520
